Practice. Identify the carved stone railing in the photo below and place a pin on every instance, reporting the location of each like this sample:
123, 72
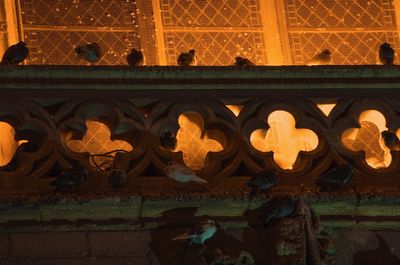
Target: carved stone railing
230, 123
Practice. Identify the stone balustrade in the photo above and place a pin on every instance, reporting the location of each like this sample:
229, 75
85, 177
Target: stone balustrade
230, 124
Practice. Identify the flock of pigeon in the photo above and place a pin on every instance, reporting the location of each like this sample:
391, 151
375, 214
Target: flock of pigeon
91, 52
333, 179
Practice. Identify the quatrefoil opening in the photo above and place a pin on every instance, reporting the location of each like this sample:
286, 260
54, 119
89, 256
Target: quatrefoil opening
284, 139
195, 142
8, 144
368, 138
97, 142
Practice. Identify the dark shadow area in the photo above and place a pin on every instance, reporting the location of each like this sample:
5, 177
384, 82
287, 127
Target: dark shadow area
380, 256
258, 241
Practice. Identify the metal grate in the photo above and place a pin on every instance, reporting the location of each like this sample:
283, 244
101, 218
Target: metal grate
220, 13
218, 30
53, 28
97, 141
96, 13
340, 14
352, 30
217, 48
56, 47
193, 140
346, 47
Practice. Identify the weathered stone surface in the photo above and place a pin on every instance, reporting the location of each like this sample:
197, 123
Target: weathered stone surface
119, 243
49, 244
357, 247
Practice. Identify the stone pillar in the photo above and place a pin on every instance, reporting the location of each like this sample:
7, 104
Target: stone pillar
8, 24
3, 29
275, 32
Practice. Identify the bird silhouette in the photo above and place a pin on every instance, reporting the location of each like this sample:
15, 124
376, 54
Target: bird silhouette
135, 58
199, 233
322, 58
279, 208
187, 58
15, 54
241, 61
391, 140
181, 173
262, 181
70, 178
386, 54
117, 178
335, 178
168, 140
90, 52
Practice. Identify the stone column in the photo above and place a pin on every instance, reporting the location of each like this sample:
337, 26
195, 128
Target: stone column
8, 24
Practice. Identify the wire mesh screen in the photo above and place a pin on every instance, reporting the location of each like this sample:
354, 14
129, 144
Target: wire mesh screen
352, 30
218, 30
216, 48
52, 28
233, 13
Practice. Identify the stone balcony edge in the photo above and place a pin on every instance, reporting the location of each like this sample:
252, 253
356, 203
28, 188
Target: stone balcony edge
220, 79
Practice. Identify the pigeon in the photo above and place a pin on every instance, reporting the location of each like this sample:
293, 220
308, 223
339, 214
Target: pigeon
241, 61
135, 58
117, 178
15, 54
90, 52
181, 173
199, 233
168, 140
279, 208
391, 140
335, 177
187, 59
70, 178
262, 181
386, 54
322, 58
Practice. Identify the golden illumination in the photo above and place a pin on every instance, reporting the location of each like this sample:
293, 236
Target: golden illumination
98, 144
194, 142
8, 144
369, 139
284, 139
236, 109
326, 108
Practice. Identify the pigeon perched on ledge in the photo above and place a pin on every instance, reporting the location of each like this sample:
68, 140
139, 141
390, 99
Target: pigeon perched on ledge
391, 140
135, 58
182, 173
70, 178
117, 178
279, 208
90, 52
187, 59
322, 58
335, 178
168, 140
262, 181
199, 233
15, 54
386, 54
241, 61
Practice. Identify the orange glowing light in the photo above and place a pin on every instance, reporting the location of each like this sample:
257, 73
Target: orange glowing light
368, 138
8, 144
97, 142
284, 139
194, 142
